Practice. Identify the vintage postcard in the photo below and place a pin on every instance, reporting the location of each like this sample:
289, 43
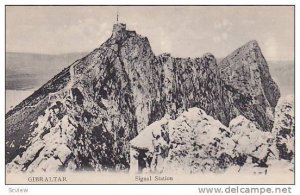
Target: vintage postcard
149, 95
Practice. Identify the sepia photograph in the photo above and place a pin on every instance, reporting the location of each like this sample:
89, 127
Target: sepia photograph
149, 94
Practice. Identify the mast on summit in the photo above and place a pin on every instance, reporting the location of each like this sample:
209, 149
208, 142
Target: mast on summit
117, 16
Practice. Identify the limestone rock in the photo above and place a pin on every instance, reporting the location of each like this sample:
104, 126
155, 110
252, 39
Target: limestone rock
93, 108
247, 76
284, 128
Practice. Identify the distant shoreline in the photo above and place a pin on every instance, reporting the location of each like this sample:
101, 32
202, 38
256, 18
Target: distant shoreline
14, 96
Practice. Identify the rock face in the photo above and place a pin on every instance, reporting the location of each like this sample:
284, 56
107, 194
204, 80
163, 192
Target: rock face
247, 76
284, 128
197, 143
94, 107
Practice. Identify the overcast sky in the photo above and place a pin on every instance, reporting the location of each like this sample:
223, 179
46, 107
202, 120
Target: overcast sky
181, 31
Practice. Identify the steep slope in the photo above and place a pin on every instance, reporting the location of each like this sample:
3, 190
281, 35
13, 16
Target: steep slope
18, 120
246, 73
98, 104
195, 82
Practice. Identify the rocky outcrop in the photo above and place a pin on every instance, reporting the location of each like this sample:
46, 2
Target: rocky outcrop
247, 76
108, 97
197, 143
195, 83
253, 146
284, 128
19, 120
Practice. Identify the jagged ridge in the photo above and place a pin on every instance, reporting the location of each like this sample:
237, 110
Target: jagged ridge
115, 92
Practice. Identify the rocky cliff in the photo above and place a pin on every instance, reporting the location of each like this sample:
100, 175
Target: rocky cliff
197, 143
84, 118
255, 94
